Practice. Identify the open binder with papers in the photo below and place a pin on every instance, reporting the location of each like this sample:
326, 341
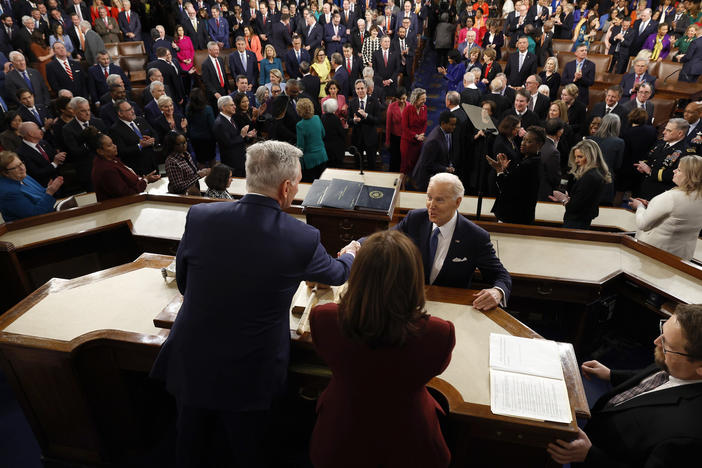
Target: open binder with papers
526, 379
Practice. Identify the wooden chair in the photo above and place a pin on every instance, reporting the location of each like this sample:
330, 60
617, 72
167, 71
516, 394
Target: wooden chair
668, 70
601, 61
131, 48
662, 110
112, 48
134, 66
595, 96
561, 45
199, 59
598, 47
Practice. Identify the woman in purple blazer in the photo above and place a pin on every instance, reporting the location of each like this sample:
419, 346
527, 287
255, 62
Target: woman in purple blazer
382, 349
659, 43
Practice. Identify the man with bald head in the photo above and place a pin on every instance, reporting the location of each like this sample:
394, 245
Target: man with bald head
39, 157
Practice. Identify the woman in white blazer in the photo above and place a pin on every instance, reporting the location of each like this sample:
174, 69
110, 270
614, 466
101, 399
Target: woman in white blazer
672, 220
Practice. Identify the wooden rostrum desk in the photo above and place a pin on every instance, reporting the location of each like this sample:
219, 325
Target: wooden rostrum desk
77, 353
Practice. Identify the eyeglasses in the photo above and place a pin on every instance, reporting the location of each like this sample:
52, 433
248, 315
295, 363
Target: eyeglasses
8, 169
667, 351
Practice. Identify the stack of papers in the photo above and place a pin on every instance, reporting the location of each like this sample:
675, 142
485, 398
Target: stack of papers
526, 379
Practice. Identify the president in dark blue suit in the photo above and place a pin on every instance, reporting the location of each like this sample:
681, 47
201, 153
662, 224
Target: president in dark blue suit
238, 267
453, 247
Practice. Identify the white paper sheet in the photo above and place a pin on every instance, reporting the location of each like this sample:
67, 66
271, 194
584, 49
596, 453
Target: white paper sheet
525, 356
527, 396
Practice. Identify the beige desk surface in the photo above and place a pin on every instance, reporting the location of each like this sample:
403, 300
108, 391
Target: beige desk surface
101, 305
148, 219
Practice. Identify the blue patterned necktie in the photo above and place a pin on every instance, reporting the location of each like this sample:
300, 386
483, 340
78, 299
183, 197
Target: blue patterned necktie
37, 116
26, 78
433, 243
136, 130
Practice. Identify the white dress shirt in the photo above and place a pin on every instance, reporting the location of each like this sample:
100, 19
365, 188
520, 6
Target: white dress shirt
442, 246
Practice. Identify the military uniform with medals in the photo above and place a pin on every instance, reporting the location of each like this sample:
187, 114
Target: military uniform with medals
663, 159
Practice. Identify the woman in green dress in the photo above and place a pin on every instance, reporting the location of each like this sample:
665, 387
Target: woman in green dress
310, 139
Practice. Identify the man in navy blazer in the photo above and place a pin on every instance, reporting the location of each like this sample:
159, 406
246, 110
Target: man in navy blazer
281, 36
334, 35
340, 75
460, 246
57, 74
692, 60
668, 394
228, 351
98, 73
17, 79
631, 81
218, 28
580, 71
643, 27
294, 57
436, 152
516, 75
39, 157
129, 23
313, 34
248, 67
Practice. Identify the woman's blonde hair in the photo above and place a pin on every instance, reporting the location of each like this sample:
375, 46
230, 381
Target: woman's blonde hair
562, 108
265, 51
691, 169
555, 63
416, 92
593, 156
305, 108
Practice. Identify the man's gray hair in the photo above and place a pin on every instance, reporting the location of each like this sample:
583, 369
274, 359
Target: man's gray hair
86, 25
456, 184
113, 79
76, 101
681, 124
223, 101
453, 98
368, 72
153, 85
469, 78
27, 19
330, 106
269, 164
15, 54
211, 44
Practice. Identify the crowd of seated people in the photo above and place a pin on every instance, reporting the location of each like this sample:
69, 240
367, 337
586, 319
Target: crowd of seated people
356, 60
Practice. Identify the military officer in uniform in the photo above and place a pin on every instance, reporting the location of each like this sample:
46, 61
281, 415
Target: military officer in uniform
663, 159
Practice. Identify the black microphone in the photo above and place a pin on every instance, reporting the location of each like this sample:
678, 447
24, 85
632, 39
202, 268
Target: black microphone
353, 150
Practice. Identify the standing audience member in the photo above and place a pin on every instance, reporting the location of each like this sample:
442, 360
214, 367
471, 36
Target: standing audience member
110, 176
183, 175
672, 220
591, 174
135, 140
393, 128
79, 155
364, 112
93, 43
612, 147
414, 126
129, 23
551, 78
518, 181
201, 120
310, 139
580, 71
663, 159
436, 152
638, 138
550, 175
334, 133
214, 75
169, 121
231, 140
520, 64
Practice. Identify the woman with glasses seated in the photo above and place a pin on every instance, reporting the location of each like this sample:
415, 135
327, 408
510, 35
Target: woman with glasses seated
20, 195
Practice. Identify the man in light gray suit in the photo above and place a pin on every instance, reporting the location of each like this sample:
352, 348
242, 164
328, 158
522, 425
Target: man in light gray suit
27, 78
93, 43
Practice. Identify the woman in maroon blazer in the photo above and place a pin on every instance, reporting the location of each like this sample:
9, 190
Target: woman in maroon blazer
111, 177
382, 349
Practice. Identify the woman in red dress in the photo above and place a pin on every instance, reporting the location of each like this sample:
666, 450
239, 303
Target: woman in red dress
414, 125
382, 350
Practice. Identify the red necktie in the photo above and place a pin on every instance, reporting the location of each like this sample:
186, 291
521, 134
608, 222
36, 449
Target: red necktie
106, 72
385, 57
127, 17
68, 70
348, 65
43, 153
217, 23
219, 74
361, 38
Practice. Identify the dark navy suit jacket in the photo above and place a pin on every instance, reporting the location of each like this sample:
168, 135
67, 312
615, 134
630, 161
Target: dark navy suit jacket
97, 83
628, 83
291, 64
470, 242
230, 344
236, 67
584, 83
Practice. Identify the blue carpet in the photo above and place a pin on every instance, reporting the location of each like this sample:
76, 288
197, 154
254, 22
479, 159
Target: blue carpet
18, 447
428, 78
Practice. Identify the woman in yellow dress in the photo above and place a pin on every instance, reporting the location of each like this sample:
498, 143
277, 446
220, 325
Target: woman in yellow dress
321, 68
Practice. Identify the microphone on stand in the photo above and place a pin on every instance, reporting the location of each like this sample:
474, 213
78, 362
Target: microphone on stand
676, 71
353, 150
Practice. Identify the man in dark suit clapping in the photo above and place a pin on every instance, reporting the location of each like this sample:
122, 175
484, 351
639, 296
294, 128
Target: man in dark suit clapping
135, 139
196, 29
231, 140
363, 114
78, 153
643, 27
40, 158
580, 71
